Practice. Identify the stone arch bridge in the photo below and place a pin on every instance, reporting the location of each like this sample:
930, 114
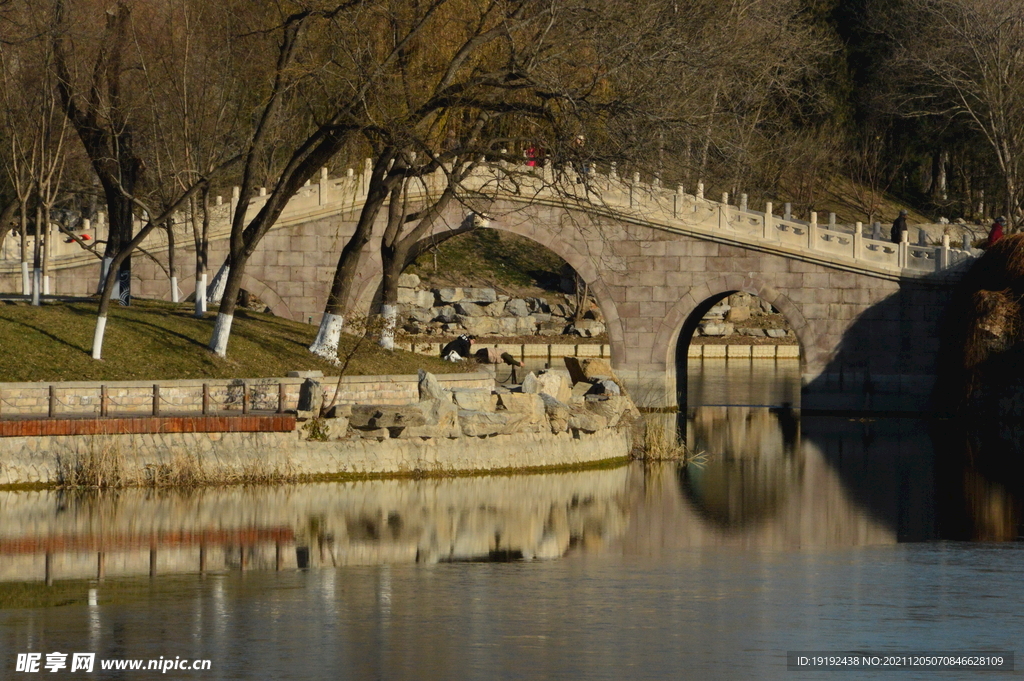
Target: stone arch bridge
866, 312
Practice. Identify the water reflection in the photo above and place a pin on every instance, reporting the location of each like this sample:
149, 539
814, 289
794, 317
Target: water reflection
51, 535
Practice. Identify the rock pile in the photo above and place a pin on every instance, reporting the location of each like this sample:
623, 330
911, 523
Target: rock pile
485, 312
744, 315
549, 401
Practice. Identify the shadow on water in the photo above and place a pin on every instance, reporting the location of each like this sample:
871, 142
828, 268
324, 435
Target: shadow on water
921, 479
924, 477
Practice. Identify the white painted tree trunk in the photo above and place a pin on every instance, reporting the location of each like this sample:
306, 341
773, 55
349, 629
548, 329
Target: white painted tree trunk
26, 280
221, 333
104, 268
389, 313
37, 284
46, 286
328, 336
97, 337
174, 289
201, 296
220, 282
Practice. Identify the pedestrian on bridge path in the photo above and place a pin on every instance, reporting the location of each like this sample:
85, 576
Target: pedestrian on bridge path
899, 226
996, 232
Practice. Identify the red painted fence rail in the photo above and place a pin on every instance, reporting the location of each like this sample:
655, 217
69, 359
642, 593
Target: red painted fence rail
250, 423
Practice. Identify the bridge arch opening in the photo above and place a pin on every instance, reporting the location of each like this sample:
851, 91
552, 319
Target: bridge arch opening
543, 291
737, 348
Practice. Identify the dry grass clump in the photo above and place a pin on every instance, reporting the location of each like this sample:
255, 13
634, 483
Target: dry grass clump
660, 442
106, 467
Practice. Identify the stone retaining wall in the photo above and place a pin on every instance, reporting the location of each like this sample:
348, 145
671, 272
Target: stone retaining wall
82, 398
232, 455
554, 352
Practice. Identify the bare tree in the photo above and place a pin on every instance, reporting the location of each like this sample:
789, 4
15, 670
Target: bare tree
965, 59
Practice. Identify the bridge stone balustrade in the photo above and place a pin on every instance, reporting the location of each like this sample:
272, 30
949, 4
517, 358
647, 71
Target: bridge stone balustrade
866, 312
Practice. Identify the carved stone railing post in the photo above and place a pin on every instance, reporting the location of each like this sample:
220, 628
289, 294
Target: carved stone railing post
942, 257
768, 230
812, 232
858, 241
322, 187
904, 253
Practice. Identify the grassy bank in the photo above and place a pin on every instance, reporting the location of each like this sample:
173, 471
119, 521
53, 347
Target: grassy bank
157, 340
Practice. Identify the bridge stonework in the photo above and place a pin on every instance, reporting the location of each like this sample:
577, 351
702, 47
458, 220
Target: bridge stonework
869, 333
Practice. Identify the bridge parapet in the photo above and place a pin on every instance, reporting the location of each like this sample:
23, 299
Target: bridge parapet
606, 194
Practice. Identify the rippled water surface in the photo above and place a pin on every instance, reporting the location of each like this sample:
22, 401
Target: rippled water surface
786, 534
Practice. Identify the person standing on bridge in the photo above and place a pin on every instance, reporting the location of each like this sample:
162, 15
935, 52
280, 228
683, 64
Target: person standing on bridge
899, 225
995, 233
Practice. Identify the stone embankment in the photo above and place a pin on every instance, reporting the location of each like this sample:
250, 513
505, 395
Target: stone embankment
485, 312
555, 419
742, 314
585, 399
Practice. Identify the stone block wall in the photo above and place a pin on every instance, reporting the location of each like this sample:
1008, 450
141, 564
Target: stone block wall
82, 398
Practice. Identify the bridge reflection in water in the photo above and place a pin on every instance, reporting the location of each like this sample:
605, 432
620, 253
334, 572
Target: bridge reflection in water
762, 485
764, 480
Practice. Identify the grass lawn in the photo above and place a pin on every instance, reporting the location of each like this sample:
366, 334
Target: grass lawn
158, 340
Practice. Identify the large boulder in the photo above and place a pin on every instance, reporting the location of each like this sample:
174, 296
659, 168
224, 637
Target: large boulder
449, 294
524, 326
444, 313
587, 328
557, 412
421, 316
550, 382
478, 326
530, 405
517, 307
483, 423
616, 409
441, 418
738, 314
431, 389
406, 296
587, 421
479, 295
408, 280
552, 328
494, 309
506, 326
715, 328
424, 299
470, 309
588, 369
311, 397
604, 386
474, 398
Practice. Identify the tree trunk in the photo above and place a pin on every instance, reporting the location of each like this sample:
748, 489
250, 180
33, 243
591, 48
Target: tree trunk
226, 314
329, 334
201, 238
26, 286
392, 269
37, 255
172, 269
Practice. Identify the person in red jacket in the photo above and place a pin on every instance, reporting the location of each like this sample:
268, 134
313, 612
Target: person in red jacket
996, 232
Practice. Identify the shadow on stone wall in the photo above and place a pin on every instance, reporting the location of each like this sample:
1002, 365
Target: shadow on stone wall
888, 359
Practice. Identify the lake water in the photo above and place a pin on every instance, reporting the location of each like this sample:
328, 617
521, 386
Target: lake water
786, 534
